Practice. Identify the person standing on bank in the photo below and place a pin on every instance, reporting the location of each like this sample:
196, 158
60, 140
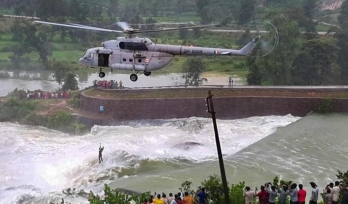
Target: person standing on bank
315, 193
101, 153
301, 194
230, 81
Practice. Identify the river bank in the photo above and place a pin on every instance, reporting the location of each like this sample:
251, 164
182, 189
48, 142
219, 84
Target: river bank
83, 111
300, 152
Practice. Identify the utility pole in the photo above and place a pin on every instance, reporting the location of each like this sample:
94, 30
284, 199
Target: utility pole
210, 106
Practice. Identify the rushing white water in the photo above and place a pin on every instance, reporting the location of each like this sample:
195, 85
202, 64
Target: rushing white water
37, 162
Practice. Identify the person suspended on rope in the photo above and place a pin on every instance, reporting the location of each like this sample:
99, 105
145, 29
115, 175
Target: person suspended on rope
100, 153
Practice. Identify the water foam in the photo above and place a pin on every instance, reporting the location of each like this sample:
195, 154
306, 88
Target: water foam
50, 161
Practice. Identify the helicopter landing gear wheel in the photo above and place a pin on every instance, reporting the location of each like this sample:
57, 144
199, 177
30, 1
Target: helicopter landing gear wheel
147, 73
133, 77
101, 74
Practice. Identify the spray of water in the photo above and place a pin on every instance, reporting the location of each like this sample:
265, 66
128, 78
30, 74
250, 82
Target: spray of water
37, 163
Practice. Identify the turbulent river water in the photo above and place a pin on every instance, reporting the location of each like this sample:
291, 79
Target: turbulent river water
37, 163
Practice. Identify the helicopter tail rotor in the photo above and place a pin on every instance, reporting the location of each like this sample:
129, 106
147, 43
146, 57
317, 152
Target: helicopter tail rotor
266, 30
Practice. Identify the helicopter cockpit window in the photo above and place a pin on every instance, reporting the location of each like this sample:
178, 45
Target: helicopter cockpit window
87, 55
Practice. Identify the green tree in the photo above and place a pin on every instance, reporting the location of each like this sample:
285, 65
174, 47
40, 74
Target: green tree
246, 11
200, 4
26, 33
78, 10
14, 109
254, 76
192, 69
342, 41
317, 63
70, 82
343, 176
310, 8
343, 16
65, 122
113, 9
276, 67
48, 9
214, 186
183, 32
60, 70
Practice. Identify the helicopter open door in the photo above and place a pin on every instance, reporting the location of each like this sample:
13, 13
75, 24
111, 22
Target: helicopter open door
103, 57
103, 60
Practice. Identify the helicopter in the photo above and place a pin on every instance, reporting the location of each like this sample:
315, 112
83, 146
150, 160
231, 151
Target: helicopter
136, 54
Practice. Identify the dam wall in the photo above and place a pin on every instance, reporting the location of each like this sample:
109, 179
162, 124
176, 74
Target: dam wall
231, 104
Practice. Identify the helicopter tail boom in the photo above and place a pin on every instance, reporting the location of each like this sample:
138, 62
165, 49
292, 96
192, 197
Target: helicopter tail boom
193, 51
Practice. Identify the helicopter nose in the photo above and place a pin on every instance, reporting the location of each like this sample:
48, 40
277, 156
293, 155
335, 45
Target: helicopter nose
82, 61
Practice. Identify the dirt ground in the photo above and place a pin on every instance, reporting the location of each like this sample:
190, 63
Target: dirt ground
221, 79
54, 106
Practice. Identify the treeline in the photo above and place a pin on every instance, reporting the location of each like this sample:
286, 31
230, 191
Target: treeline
133, 11
303, 58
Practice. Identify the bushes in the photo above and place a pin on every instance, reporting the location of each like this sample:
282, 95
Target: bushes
75, 100
325, 106
17, 109
212, 185
14, 109
65, 122
115, 196
38, 120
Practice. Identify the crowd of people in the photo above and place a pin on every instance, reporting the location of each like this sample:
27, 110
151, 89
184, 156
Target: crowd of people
269, 194
45, 94
179, 198
112, 84
333, 193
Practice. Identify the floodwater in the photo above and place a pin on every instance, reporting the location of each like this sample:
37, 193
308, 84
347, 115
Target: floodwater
37, 163
44, 80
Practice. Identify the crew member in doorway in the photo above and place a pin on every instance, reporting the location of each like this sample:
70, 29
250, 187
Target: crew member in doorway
101, 153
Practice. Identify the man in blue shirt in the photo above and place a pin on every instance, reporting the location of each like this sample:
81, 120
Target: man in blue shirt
202, 196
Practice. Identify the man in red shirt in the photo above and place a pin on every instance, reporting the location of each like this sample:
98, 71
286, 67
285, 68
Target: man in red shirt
263, 196
301, 195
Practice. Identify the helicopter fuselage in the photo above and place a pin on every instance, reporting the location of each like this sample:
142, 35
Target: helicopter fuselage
141, 54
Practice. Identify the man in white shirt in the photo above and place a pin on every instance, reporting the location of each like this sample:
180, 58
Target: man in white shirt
249, 195
336, 193
315, 193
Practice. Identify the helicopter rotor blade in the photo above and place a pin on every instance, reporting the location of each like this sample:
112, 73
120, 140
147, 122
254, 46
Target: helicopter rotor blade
171, 29
79, 26
123, 25
164, 23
